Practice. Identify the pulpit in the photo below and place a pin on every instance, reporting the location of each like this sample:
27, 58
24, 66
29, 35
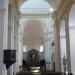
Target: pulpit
9, 57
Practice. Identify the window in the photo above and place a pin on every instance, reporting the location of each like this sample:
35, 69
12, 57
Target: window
35, 6
41, 48
24, 48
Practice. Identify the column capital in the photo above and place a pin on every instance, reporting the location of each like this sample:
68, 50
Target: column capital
57, 20
66, 17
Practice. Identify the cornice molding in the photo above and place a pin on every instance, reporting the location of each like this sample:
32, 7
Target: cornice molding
26, 15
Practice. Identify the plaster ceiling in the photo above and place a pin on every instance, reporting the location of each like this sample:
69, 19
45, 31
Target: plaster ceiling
33, 29
35, 6
53, 3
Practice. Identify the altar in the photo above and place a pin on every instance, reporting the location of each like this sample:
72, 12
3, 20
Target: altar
35, 66
34, 69
33, 58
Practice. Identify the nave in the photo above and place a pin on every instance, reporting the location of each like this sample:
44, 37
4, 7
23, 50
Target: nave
37, 36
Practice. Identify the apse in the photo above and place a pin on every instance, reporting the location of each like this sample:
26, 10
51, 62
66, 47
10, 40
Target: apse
33, 29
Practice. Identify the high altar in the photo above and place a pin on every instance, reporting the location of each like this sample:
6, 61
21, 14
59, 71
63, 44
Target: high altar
35, 66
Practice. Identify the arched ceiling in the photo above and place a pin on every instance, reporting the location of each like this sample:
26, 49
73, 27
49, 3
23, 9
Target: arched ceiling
53, 3
37, 6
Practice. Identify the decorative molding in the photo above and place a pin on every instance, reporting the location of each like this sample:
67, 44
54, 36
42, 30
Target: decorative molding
35, 15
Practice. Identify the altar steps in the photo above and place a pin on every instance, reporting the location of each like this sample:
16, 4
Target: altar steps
39, 73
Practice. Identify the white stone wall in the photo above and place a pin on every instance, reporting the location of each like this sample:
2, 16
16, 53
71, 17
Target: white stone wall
72, 44
2, 4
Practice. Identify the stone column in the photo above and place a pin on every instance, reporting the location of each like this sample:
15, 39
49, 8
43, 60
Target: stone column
3, 32
68, 44
16, 24
10, 35
20, 55
57, 46
16, 66
14, 36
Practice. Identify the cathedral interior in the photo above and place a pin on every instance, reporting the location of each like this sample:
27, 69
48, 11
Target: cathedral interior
37, 37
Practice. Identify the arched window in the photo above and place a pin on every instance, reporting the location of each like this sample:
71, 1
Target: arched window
35, 6
41, 48
24, 48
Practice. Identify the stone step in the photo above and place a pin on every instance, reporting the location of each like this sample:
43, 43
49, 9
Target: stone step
39, 73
